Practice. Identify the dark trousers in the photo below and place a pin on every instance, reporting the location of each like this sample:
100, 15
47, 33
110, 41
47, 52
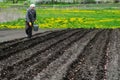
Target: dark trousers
28, 30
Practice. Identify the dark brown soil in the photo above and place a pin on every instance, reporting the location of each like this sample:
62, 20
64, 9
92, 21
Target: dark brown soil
70, 54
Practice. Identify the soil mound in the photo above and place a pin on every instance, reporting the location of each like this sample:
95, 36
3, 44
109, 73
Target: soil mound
70, 54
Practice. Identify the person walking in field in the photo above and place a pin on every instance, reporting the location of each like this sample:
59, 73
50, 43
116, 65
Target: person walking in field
30, 19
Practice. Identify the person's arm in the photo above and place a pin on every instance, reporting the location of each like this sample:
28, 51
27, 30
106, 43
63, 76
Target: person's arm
28, 17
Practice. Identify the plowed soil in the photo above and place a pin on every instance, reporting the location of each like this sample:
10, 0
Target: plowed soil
70, 54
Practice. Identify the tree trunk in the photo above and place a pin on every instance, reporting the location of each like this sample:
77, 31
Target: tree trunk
116, 1
15, 1
52, 1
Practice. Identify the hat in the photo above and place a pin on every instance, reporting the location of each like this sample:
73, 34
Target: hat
32, 5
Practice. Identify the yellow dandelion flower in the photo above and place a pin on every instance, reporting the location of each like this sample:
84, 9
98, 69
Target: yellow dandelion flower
65, 21
106, 20
72, 19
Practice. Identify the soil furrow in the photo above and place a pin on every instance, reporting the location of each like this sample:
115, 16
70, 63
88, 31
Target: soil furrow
83, 68
70, 54
26, 55
100, 70
112, 65
6, 44
57, 69
52, 55
18, 66
27, 44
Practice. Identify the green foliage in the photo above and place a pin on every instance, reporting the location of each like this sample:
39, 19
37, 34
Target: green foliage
72, 18
108, 17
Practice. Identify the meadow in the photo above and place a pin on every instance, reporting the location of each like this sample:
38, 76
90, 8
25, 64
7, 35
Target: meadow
69, 18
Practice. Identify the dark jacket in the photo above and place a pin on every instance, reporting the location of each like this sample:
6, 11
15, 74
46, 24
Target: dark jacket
31, 15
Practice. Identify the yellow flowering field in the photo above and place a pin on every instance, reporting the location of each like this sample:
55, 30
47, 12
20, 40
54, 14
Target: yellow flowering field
70, 18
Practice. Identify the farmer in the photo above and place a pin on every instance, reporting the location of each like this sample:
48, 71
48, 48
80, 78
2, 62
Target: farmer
30, 19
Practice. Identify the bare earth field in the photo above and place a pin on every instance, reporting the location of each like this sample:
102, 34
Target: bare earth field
71, 54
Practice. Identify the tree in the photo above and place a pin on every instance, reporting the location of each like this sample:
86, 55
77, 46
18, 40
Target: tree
88, 1
52, 1
97, 1
75, 1
15, 1
116, 1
